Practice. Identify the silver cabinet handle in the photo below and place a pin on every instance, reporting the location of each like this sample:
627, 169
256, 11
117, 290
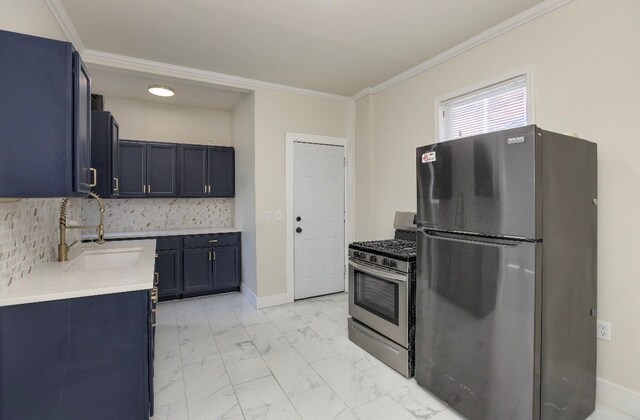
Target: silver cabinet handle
149, 189
209, 189
144, 189
205, 189
94, 172
209, 255
213, 241
117, 187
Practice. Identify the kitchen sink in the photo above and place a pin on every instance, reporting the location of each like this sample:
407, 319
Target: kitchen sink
106, 260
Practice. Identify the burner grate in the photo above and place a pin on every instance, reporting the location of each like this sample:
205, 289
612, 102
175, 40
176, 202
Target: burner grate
392, 248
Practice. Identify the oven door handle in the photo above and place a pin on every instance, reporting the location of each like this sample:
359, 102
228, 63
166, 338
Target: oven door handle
396, 278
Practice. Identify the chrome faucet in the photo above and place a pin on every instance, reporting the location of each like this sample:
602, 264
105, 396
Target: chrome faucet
63, 248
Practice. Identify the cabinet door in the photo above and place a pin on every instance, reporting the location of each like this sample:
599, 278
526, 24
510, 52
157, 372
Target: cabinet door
133, 166
115, 158
84, 358
194, 175
222, 171
226, 268
168, 274
83, 177
197, 270
162, 170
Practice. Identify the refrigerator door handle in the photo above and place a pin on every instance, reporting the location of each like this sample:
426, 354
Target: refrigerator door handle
473, 239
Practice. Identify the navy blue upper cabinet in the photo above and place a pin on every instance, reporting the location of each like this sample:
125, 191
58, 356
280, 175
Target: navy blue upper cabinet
105, 153
45, 118
222, 172
133, 169
194, 171
207, 171
162, 170
148, 169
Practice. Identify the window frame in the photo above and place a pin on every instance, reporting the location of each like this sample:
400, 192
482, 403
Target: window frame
527, 72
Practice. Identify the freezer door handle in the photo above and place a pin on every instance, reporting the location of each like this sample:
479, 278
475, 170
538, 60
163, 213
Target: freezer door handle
474, 239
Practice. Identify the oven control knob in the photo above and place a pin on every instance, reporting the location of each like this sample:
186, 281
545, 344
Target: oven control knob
373, 258
392, 263
385, 261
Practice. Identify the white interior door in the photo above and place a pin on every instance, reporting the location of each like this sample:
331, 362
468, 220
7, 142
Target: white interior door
318, 209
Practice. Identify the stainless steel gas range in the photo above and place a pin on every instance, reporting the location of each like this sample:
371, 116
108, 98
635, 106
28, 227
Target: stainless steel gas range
382, 298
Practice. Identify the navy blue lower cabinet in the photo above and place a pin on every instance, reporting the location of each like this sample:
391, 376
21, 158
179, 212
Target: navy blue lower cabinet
226, 268
197, 271
82, 358
168, 274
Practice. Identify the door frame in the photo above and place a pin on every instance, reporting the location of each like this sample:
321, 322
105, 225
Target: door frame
290, 140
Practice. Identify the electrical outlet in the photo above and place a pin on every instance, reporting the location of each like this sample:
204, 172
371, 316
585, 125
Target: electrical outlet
604, 330
265, 216
278, 215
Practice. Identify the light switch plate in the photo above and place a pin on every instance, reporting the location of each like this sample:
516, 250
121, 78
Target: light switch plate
279, 215
265, 216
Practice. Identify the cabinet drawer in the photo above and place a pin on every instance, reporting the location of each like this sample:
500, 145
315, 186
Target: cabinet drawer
211, 240
168, 243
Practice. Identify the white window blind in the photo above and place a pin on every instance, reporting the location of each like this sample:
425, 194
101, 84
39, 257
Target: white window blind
496, 107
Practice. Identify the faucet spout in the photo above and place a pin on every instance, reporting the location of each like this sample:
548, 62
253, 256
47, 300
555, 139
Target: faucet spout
63, 248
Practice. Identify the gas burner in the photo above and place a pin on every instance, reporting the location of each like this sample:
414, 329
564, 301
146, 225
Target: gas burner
392, 248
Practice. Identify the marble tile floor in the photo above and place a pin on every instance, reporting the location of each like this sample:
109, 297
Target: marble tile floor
217, 357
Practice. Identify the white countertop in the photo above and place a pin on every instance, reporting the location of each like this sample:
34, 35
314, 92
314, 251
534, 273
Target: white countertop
64, 280
157, 233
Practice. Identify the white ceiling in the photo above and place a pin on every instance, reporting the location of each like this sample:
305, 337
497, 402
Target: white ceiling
337, 46
119, 83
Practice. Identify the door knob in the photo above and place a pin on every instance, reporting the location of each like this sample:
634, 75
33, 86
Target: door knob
298, 218
298, 229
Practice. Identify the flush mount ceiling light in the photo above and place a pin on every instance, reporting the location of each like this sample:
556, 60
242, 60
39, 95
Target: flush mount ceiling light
161, 90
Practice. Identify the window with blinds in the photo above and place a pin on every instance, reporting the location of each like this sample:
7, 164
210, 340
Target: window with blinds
497, 107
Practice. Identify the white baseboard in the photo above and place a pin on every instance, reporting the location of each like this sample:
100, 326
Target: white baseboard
618, 397
273, 300
248, 293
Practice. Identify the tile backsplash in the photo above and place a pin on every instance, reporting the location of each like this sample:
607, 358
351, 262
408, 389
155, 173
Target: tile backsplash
29, 235
130, 215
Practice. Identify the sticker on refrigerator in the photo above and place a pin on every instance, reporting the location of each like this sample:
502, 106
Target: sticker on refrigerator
428, 157
515, 140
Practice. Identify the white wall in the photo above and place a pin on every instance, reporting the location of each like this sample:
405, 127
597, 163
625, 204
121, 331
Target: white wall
140, 120
243, 134
31, 17
586, 61
364, 159
275, 114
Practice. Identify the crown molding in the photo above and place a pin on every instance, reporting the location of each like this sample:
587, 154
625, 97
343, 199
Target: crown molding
172, 70
67, 26
520, 19
130, 63
364, 92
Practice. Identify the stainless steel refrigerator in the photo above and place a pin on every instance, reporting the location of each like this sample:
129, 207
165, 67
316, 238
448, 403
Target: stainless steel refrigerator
506, 274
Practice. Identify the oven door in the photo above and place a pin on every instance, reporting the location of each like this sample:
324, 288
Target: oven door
379, 299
